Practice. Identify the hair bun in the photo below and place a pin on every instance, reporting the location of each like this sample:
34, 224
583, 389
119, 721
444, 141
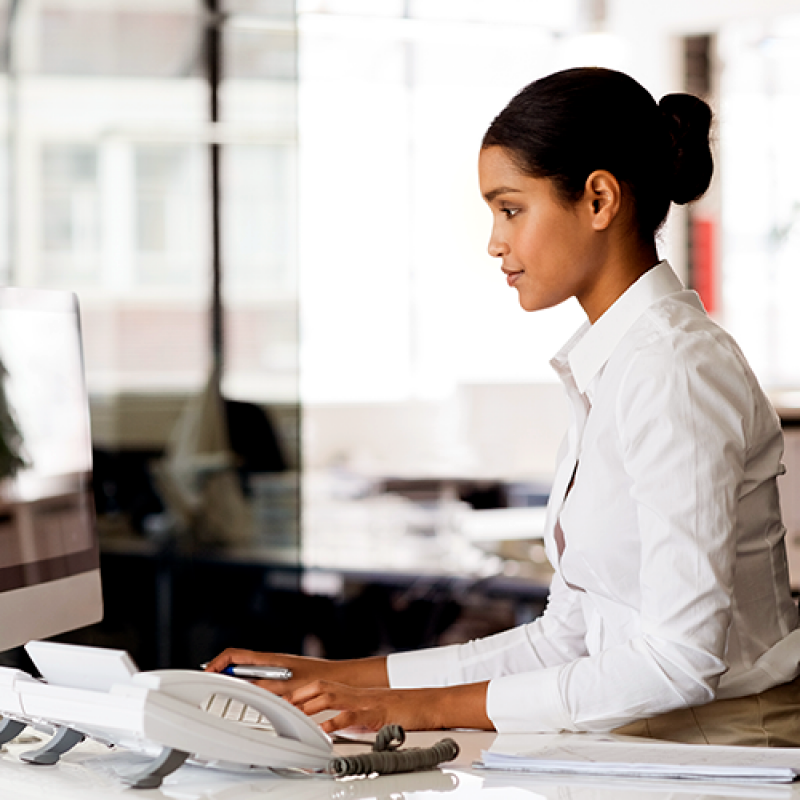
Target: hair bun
688, 121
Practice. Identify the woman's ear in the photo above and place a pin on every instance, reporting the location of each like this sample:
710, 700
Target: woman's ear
603, 194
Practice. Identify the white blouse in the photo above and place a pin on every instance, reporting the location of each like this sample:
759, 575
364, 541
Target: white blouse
671, 585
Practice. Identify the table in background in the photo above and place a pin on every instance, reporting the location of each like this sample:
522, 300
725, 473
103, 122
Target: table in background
175, 606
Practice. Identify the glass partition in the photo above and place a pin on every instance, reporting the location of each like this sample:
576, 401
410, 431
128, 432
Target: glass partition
186, 274
109, 136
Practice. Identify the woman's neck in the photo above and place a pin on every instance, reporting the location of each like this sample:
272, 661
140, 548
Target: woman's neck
624, 264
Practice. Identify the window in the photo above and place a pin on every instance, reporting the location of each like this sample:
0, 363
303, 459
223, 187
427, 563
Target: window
70, 214
260, 216
760, 161
400, 300
81, 40
171, 208
111, 188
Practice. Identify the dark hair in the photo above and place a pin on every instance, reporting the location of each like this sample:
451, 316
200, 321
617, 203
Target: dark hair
571, 123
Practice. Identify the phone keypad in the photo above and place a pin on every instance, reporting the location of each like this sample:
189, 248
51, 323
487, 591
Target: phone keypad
231, 709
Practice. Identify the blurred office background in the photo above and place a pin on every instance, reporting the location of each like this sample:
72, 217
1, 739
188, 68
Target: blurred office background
283, 194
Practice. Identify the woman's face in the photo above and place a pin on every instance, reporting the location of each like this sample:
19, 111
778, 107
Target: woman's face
549, 249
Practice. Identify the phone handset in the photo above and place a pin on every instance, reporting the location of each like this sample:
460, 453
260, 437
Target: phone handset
195, 688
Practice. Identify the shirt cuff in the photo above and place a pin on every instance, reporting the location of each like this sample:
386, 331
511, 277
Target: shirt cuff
422, 669
528, 703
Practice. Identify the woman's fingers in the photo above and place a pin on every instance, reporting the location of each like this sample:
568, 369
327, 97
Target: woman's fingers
237, 656
362, 708
313, 697
231, 656
281, 688
350, 719
308, 691
303, 669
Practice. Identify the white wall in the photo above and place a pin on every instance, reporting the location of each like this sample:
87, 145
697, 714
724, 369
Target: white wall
418, 308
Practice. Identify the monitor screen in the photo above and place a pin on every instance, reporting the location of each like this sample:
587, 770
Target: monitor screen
49, 557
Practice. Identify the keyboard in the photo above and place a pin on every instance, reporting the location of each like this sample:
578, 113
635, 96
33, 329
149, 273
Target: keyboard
228, 708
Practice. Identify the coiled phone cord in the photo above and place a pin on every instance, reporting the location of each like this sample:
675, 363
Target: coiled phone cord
386, 758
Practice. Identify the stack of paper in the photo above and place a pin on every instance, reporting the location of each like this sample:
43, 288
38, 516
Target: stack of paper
579, 754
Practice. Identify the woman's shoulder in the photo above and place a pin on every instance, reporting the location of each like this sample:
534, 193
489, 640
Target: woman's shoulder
677, 330
675, 350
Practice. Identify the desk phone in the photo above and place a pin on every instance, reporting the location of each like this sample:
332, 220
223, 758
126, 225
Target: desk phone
169, 714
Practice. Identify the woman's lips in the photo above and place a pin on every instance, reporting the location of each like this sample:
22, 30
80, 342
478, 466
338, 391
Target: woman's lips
513, 277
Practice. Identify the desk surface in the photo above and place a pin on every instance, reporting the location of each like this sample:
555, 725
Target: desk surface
86, 774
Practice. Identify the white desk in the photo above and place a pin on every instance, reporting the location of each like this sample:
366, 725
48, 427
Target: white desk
84, 774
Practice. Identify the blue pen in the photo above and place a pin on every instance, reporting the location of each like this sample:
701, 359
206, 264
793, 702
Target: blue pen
258, 672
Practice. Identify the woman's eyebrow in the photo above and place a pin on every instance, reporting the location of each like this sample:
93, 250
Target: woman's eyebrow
489, 196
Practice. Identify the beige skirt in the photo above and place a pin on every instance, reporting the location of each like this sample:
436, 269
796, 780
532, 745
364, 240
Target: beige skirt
769, 719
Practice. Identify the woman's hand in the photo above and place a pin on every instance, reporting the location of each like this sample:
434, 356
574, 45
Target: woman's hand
415, 709
357, 672
303, 669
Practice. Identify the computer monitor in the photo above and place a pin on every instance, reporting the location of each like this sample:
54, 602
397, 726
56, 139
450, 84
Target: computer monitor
49, 555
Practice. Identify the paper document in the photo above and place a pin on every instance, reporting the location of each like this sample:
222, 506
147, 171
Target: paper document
580, 754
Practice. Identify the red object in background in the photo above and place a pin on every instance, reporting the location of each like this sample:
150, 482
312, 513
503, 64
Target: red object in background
703, 261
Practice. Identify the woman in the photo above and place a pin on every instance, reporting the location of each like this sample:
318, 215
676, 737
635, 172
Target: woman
670, 613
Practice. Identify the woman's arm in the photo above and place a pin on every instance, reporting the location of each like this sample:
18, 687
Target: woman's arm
358, 690
359, 672
415, 709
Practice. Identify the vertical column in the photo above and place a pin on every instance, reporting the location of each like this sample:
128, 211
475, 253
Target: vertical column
213, 65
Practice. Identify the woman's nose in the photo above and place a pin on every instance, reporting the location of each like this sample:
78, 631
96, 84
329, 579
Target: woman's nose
497, 247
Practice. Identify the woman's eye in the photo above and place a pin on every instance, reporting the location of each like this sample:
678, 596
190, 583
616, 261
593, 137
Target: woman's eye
508, 213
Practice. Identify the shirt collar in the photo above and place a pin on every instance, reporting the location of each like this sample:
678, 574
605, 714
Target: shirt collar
585, 354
